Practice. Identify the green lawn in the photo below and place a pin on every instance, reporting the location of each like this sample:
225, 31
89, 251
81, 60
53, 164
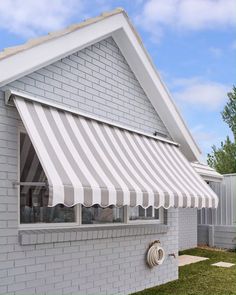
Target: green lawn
201, 278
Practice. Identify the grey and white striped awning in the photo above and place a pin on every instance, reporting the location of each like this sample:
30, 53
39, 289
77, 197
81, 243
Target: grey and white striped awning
31, 170
88, 162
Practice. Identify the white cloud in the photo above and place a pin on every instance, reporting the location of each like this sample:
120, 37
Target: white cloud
202, 135
29, 18
205, 138
194, 91
233, 45
184, 82
186, 15
215, 52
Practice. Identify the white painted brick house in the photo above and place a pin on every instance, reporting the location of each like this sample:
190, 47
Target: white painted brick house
97, 78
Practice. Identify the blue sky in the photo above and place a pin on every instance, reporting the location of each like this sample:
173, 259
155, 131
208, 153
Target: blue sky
192, 43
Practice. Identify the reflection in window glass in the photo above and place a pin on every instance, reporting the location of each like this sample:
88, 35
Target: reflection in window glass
139, 213
97, 214
34, 199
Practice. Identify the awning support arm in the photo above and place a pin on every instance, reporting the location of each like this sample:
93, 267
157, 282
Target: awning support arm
42, 184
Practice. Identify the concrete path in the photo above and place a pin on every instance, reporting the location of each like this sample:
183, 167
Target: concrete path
188, 259
223, 264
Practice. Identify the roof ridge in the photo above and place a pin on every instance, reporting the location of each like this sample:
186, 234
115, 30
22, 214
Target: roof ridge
9, 51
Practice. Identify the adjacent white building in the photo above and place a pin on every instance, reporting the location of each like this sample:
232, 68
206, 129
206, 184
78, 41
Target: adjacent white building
217, 227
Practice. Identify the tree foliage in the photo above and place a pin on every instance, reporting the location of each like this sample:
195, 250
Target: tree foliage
223, 159
229, 112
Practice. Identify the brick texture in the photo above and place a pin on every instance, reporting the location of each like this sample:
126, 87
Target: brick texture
98, 81
187, 228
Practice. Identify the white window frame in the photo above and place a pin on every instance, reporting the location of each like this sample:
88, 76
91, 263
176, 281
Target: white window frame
143, 221
78, 208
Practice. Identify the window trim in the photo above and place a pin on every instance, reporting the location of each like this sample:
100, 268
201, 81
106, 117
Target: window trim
148, 221
78, 208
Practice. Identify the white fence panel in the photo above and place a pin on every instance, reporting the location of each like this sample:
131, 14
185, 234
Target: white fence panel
225, 214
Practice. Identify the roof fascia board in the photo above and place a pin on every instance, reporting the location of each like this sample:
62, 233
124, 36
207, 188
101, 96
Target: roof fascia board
136, 55
34, 58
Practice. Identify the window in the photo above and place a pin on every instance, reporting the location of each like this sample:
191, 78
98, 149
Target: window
34, 195
33, 191
139, 213
97, 215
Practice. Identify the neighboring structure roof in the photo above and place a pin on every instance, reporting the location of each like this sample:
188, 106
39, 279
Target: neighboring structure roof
207, 173
16, 62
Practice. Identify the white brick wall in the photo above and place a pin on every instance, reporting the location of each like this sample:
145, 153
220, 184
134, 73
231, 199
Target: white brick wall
187, 228
98, 81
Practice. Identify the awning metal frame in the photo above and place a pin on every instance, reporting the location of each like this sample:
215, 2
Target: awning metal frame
19, 183
11, 93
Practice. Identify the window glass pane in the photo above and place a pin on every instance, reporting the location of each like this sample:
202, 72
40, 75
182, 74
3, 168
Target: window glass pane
97, 214
139, 213
34, 209
149, 212
157, 213
34, 199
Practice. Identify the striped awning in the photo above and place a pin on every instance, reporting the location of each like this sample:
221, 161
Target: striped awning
31, 170
88, 162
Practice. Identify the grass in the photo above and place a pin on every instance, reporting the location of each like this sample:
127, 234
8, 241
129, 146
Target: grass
201, 278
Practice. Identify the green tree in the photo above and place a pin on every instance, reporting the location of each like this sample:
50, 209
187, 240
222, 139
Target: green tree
223, 159
229, 112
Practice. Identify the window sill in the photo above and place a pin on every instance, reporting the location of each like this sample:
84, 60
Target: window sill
89, 232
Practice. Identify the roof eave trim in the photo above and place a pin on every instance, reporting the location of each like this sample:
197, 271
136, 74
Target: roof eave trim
57, 34
14, 66
132, 48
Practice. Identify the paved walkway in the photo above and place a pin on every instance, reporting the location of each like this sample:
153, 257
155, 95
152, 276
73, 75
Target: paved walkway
223, 264
188, 259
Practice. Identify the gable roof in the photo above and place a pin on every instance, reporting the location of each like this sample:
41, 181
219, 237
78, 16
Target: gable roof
16, 62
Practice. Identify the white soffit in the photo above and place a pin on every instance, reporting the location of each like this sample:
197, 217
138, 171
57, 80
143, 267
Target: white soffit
20, 61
